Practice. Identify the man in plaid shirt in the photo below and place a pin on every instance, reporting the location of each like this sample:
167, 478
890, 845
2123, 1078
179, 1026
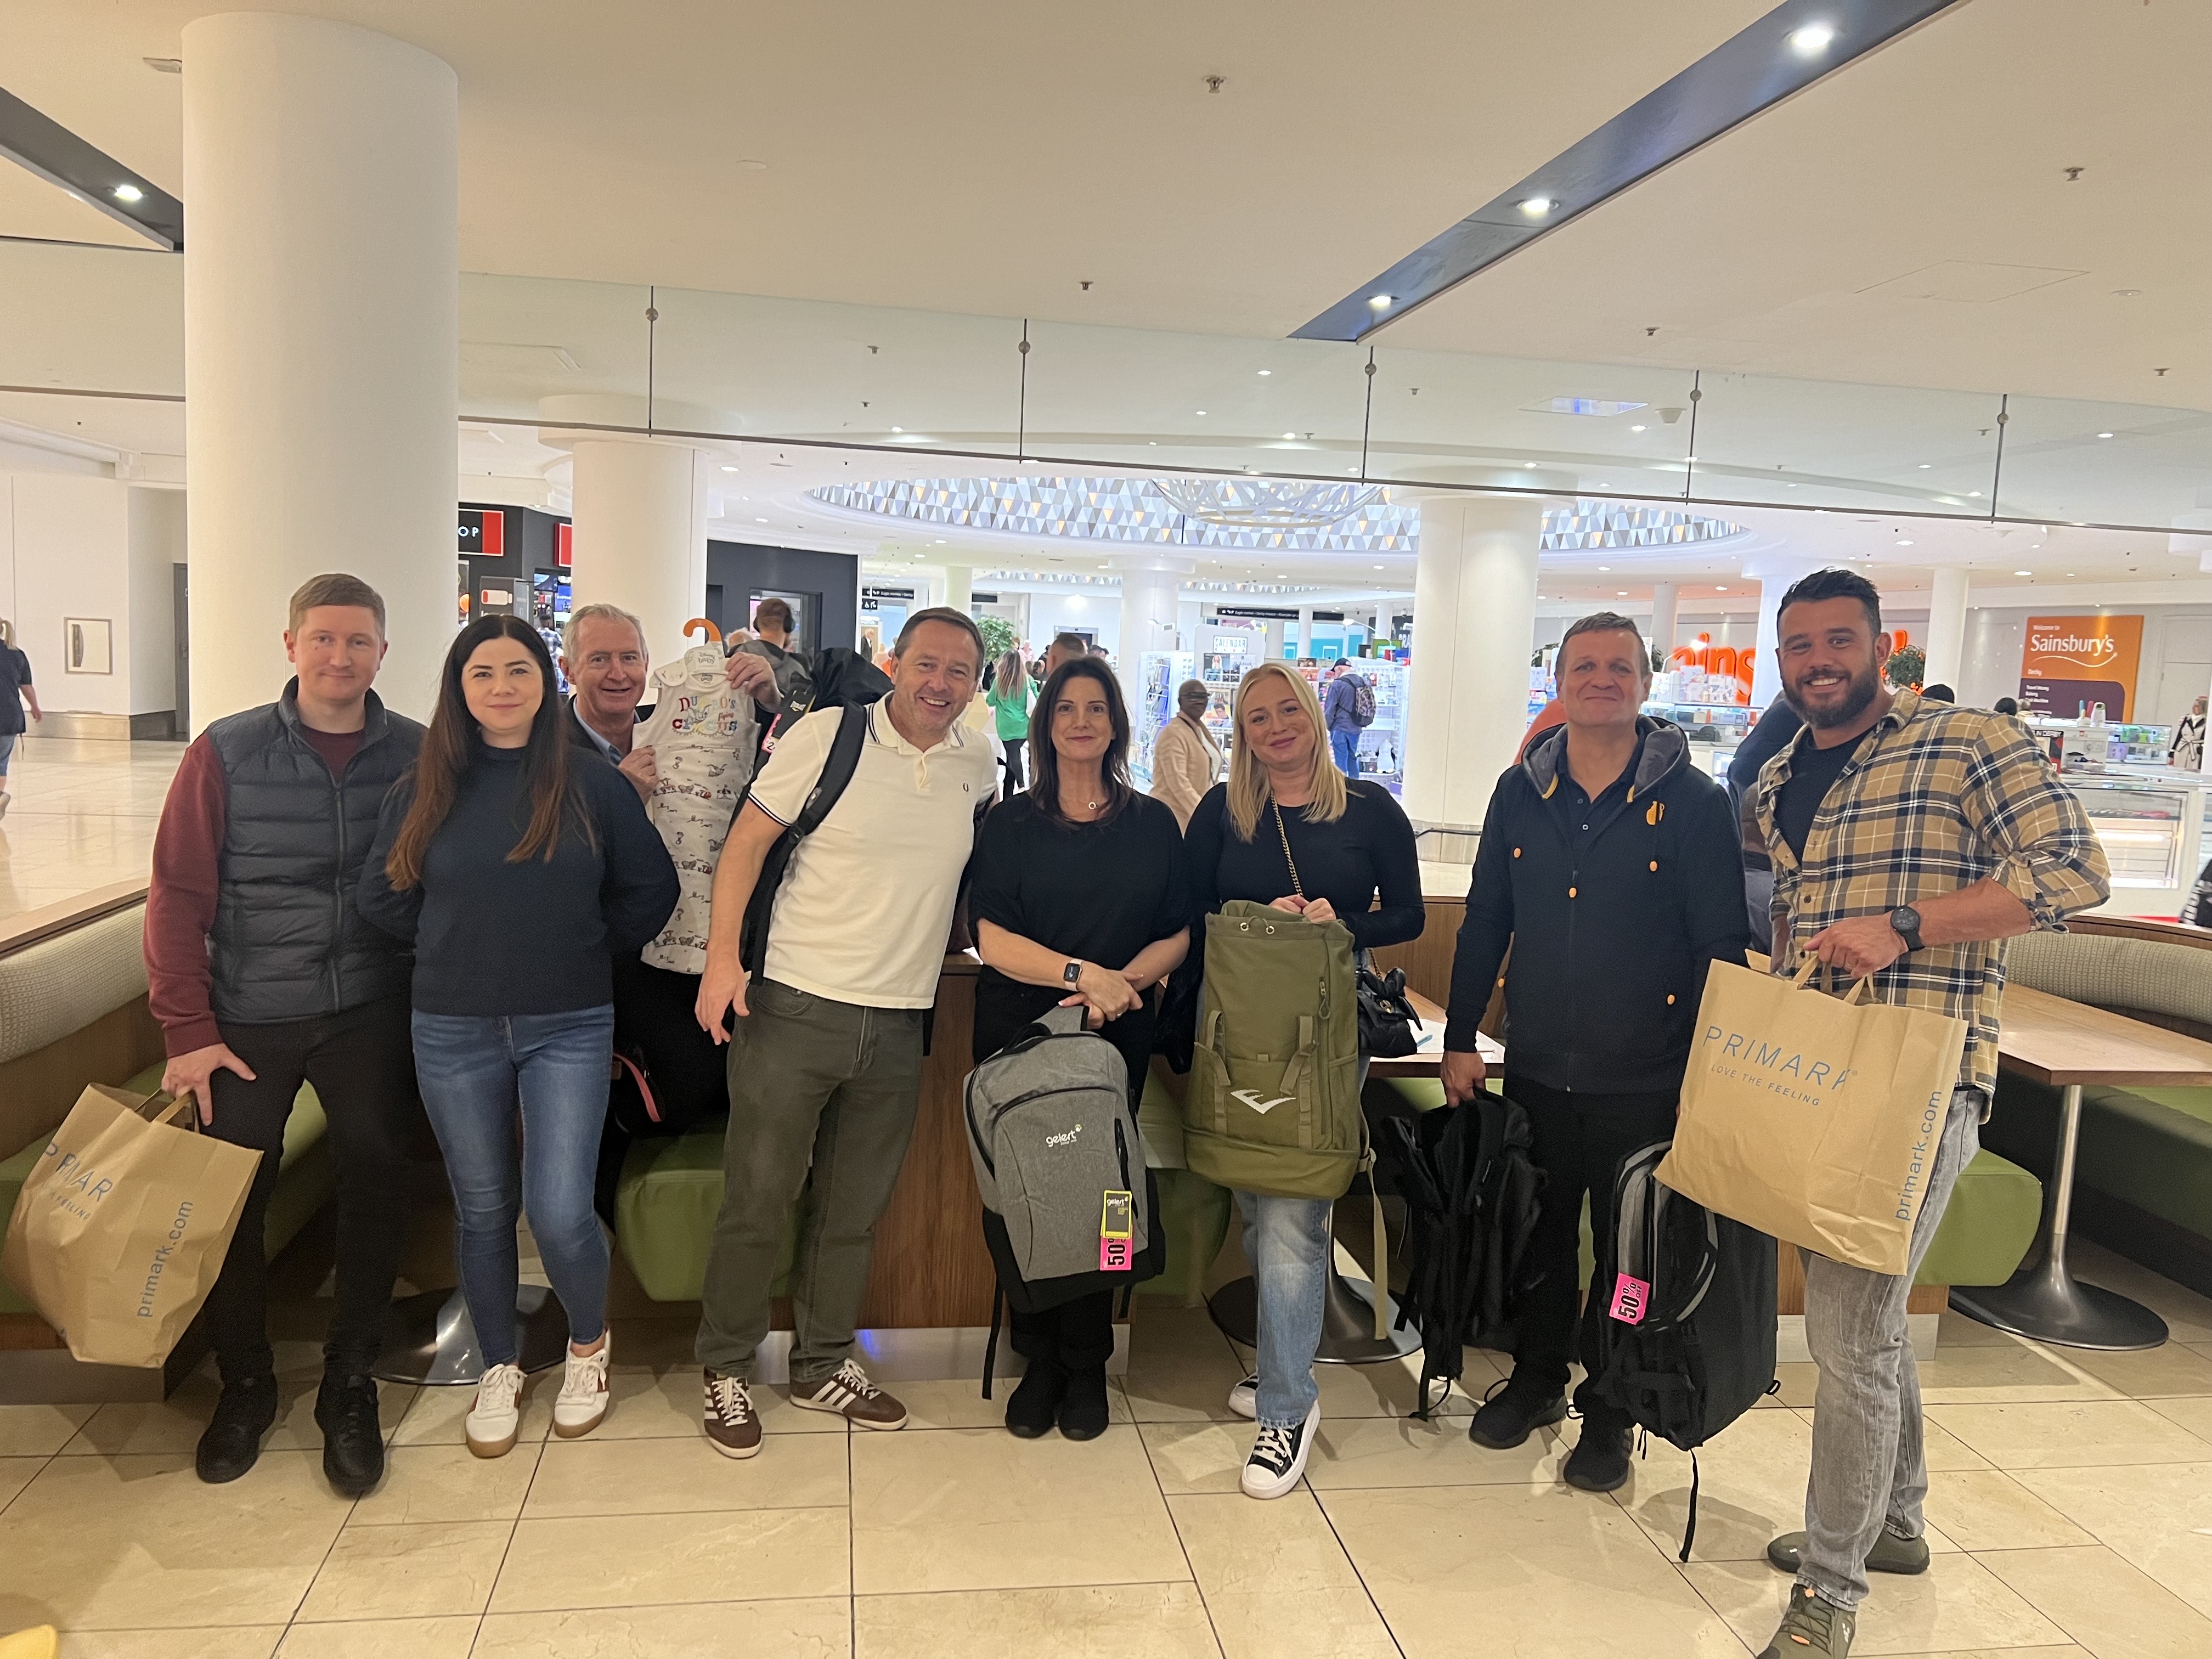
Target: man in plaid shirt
1909, 840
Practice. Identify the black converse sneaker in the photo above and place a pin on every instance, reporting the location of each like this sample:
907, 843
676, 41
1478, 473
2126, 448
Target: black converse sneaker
1245, 1398
1279, 1456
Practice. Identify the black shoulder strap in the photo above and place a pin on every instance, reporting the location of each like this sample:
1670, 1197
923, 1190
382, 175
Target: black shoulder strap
844, 759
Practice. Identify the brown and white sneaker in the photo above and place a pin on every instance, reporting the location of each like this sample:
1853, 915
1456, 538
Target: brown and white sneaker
734, 1427
847, 1392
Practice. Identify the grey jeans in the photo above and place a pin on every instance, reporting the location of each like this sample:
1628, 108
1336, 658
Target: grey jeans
1869, 1450
821, 1105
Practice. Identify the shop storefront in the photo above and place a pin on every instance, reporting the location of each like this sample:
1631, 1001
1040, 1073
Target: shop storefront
514, 561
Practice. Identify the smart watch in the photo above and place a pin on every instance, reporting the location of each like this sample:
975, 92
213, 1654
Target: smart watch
1074, 971
1906, 920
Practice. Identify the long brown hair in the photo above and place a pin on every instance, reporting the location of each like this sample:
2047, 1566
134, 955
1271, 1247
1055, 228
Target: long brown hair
1044, 780
450, 746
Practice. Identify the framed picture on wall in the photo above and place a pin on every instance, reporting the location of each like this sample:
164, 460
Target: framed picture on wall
87, 645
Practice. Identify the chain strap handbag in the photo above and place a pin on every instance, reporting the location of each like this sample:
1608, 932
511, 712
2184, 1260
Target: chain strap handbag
1388, 1022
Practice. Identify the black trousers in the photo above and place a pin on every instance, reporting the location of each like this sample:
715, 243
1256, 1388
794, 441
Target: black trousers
362, 1063
1079, 1334
1013, 748
1579, 1140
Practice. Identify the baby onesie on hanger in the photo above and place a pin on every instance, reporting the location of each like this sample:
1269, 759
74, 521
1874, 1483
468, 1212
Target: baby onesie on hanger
701, 734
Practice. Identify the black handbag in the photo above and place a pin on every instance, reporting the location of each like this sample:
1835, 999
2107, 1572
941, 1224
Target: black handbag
1390, 1025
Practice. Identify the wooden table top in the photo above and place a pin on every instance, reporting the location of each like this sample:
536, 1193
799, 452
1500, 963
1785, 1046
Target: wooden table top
2060, 1043
1428, 1059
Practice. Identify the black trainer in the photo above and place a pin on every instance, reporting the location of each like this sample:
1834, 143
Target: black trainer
1599, 1462
353, 1437
231, 1442
1082, 1414
1034, 1402
1512, 1412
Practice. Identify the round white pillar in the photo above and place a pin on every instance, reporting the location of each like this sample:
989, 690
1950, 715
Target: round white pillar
321, 342
1305, 645
1947, 628
1774, 573
1149, 598
960, 587
1666, 602
1474, 610
641, 535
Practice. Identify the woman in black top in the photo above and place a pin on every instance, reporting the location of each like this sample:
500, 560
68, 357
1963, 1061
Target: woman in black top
1079, 897
517, 863
1289, 830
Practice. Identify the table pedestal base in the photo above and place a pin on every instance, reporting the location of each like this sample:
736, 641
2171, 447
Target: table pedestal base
1347, 1320
428, 1339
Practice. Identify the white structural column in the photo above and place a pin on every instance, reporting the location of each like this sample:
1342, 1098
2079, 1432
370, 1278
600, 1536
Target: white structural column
1149, 600
1666, 603
960, 586
1306, 647
321, 342
1775, 573
1474, 622
1947, 628
641, 510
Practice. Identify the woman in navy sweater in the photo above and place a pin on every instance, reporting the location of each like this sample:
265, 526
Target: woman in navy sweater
517, 865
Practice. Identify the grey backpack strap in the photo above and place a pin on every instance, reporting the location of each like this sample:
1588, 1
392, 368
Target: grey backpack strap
1064, 1021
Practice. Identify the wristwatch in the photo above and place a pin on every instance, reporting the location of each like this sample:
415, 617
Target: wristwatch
1073, 972
1906, 920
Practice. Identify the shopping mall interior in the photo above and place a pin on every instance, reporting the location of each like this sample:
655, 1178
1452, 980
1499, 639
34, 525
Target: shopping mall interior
1216, 336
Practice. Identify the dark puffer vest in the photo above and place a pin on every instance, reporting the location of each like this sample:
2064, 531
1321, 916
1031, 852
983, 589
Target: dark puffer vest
288, 943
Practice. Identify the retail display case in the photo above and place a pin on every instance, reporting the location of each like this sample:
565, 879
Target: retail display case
1158, 674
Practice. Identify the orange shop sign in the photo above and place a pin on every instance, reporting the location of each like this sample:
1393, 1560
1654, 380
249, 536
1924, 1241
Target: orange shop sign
2070, 664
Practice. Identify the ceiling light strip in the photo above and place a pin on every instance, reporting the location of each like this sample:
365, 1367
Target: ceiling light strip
61, 158
1781, 54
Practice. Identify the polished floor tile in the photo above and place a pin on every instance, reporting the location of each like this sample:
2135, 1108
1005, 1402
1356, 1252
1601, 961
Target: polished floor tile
1276, 1579
1125, 1621
212, 1642
976, 1508
2009, 1373
39, 1431
435, 1483
2191, 1412
651, 1561
1383, 1451
1188, 1458
15, 1473
663, 1477
2156, 1517
2059, 1435
1979, 1509
668, 1404
817, 1627
378, 1638
175, 1425
1480, 1571
2150, 1373
83, 816
1751, 1486
1957, 1606
2107, 1606
413, 1570
140, 1543
958, 1403
1180, 1367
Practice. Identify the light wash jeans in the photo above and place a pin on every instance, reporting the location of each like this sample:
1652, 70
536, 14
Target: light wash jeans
1345, 746
1869, 1449
472, 1070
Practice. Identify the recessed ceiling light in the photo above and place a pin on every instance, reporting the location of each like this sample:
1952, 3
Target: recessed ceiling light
129, 193
1925, 466
1812, 39
2069, 574
1266, 371
2023, 572
1973, 494
1605, 567
1201, 411
1537, 206
1378, 302
1636, 428
2104, 435
760, 520
1904, 541
1378, 567
1290, 434
1720, 588
898, 428
729, 469
1621, 594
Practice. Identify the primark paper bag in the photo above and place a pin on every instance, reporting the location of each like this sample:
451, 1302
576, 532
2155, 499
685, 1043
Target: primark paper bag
1814, 1117
123, 1226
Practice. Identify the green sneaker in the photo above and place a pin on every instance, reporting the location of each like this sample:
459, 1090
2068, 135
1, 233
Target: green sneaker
1891, 1553
1812, 1629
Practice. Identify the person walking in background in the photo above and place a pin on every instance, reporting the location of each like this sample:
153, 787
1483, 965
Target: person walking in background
16, 691
1079, 895
1289, 830
1066, 647
1609, 864
263, 977
772, 642
1909, 840
1185, 755
826, 1064
1340, 709
2185, 752
516, 867
1009, 699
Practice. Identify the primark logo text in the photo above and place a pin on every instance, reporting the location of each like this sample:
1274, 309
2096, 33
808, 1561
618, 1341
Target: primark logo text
1778, 1064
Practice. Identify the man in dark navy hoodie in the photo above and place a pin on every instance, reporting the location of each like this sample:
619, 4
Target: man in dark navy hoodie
1609, 864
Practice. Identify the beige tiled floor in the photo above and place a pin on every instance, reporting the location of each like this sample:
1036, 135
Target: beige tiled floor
2071, 1514
83, 815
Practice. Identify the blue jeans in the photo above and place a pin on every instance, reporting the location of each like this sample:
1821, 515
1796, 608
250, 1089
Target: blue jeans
1345, 745
473, 1069
1287, 1242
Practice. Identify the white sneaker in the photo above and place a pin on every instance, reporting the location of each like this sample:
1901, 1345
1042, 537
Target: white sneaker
1278, 1457
1245, 1398
583, 1399
5, 801
496, 1416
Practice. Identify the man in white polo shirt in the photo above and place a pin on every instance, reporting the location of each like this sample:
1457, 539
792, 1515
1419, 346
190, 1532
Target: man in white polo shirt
825, 1063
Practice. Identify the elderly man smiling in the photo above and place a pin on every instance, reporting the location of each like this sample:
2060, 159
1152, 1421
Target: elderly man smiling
603, 653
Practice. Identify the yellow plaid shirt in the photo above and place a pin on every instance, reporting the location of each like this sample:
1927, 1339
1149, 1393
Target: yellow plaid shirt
1936, 798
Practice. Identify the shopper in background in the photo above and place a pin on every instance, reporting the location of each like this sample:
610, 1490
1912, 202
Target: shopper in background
262, 977
1064, 649
825, 1063
1340, 708
2007, 706
2185, 752
516, 866
1080, 896
603, 654
1909, 841
1938, 693
1009, 698
1608, 863
1286, 823
16, 690
772, 642
1186, 757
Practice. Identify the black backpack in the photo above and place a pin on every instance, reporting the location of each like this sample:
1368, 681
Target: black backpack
1688, 1347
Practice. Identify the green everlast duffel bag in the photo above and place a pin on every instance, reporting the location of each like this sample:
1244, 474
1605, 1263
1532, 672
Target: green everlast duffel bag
1274, 1106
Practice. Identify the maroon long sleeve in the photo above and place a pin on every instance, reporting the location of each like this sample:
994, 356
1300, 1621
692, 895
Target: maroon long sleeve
180, 904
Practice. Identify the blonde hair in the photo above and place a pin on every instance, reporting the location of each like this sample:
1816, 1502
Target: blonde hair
1248, 794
